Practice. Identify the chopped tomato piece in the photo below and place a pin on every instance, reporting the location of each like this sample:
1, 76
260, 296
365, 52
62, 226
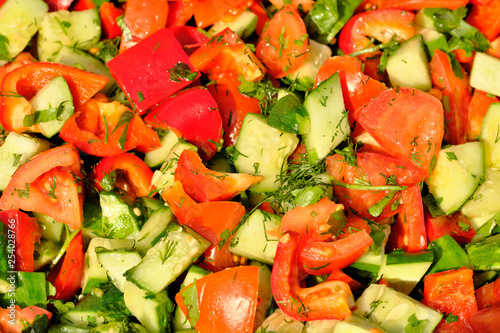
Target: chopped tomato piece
418, 4
125, 171
225, 301
455, 225
262, 18
354, 224
456, 96
452, 292
108, 13
486, 320
416, 122
49, 183
338, 275
27, 233
486, 18
179, 12
305, 5
478, 107
485, 296
207, 12
282, 46
494, 48
67, 277
55, 5
204, 184
381, 24
17, 324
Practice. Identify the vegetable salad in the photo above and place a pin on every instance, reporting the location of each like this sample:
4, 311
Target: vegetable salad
249, 166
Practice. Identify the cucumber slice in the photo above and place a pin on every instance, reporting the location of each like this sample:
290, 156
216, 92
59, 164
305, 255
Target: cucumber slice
52, 106
242, 24
115, 326
485, 254
484, 73
47, 251
263, 150
73, 57
394, 310
118, 216
280, 322
433, 40
356, 324
329, 123
409, 66
265, 292
19, 21
490, 136
80, 29
483, 205
117, 262
153, 229
51, 229
423, 20
16, 150
156, 157
165, 261
152, 311
457, 174
257, 237
306, 73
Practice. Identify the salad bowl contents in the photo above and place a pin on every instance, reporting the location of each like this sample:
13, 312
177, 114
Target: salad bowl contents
249, 166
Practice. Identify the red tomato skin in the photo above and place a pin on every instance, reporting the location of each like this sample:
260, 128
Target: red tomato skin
55, 5
281, 59
485, 296
179, 12
417, 4
478, 107
21, 316
207, 12
108, 13
67, 279
227, 300
494, 48
449, 225
452, 292
416, 120
199, 122
27, 232
485, 17
486, 320
380, 24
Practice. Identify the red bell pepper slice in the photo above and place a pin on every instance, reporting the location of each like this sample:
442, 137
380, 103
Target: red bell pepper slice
327, 300
21, 317
49, 183
416, 122
376, 170
452, 292
127, 172
319, 258
354, 224
455, 225
494, 48
24, 58
194, 114
79, 5
204, 184
381, 24
419, 4
21, 84
142, 18
486, 18
55, 5
478, 107
282, 57
262, 18
27, 232
189, 37
356, 286
156, 68
179, 12
314, 220
103, 129
456, 96
213, 220
67, 277
408, 232
108, 13
216, 259
225, 301
485, 296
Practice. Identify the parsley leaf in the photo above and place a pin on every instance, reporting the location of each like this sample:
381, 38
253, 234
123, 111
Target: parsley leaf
126, 32
182, 71
451, 318
415, 325
4, 50
43, 116
190, 297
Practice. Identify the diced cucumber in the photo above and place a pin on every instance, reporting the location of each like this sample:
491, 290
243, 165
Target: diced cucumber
423, 20
163, 179
52, 106
321, 326
490, 136
117, 262
265, 292
433, 40
118, 216
263, 150
485, 254
484, 73
19, 21
278, 322
16, 150
51, 229
257, 237
153, 229
448, 254
488, 226
306, 73
194, 273
165, 261
329, 123
80, 29
156, 157
73, 57
94, 275
152, 311
483, 204
458, 172
45, 252
404, 270
150, 205
115, 326
66, 328
409, 67
357, 324
243, 24
395, 311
